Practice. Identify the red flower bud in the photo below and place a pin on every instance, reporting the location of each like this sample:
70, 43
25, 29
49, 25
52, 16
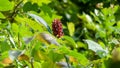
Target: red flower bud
57, 28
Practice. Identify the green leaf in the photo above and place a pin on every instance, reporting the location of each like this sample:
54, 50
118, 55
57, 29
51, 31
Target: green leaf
37, 64
80, 57
47, 64
40, 20
47, 17
4, 46
33, 25
71, 28
70, 41
27, 7
2, 16
96, 48
38, 54
55, 57
49, 10
40, 2
6, 5
4, 55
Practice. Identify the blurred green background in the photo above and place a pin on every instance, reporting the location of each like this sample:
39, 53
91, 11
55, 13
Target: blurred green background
91, 34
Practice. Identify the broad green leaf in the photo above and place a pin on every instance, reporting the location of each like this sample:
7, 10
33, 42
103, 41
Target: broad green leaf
2, 16
47, 64
39, 2
27, 7
37, 64
80, 57
54, 56
100, 34
4, 46
15, 28
40, 20
96, 48
71, 28
6, 5
4, 55
49, 19
70, 41
24, 22
48, 11
38, 54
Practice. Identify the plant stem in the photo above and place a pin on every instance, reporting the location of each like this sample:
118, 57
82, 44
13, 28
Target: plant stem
67, 60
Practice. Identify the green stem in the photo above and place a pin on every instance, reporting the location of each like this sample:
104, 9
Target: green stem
67, 60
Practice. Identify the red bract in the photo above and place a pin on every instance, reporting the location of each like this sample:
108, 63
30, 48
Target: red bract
57, 28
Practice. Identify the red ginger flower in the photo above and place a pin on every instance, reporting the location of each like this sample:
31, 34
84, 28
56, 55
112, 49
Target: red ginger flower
57, 28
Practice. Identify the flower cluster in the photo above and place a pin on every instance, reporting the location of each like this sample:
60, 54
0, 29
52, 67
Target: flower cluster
57, 28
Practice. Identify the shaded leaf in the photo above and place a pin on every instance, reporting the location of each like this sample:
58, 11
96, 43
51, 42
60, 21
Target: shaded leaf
49, 11
4, 46
27, 7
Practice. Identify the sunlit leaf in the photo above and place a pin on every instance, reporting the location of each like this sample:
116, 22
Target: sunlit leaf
49, 19
47, 65
96, 48
37, 64
6, 5
80, 57
70, 41
55, 57
40, 20
39, 2
2, 16
71, 28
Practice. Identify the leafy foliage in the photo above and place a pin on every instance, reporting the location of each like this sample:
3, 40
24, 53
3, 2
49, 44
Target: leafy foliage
91, 34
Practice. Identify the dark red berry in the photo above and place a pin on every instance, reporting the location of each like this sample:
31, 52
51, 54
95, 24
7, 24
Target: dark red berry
57, 28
